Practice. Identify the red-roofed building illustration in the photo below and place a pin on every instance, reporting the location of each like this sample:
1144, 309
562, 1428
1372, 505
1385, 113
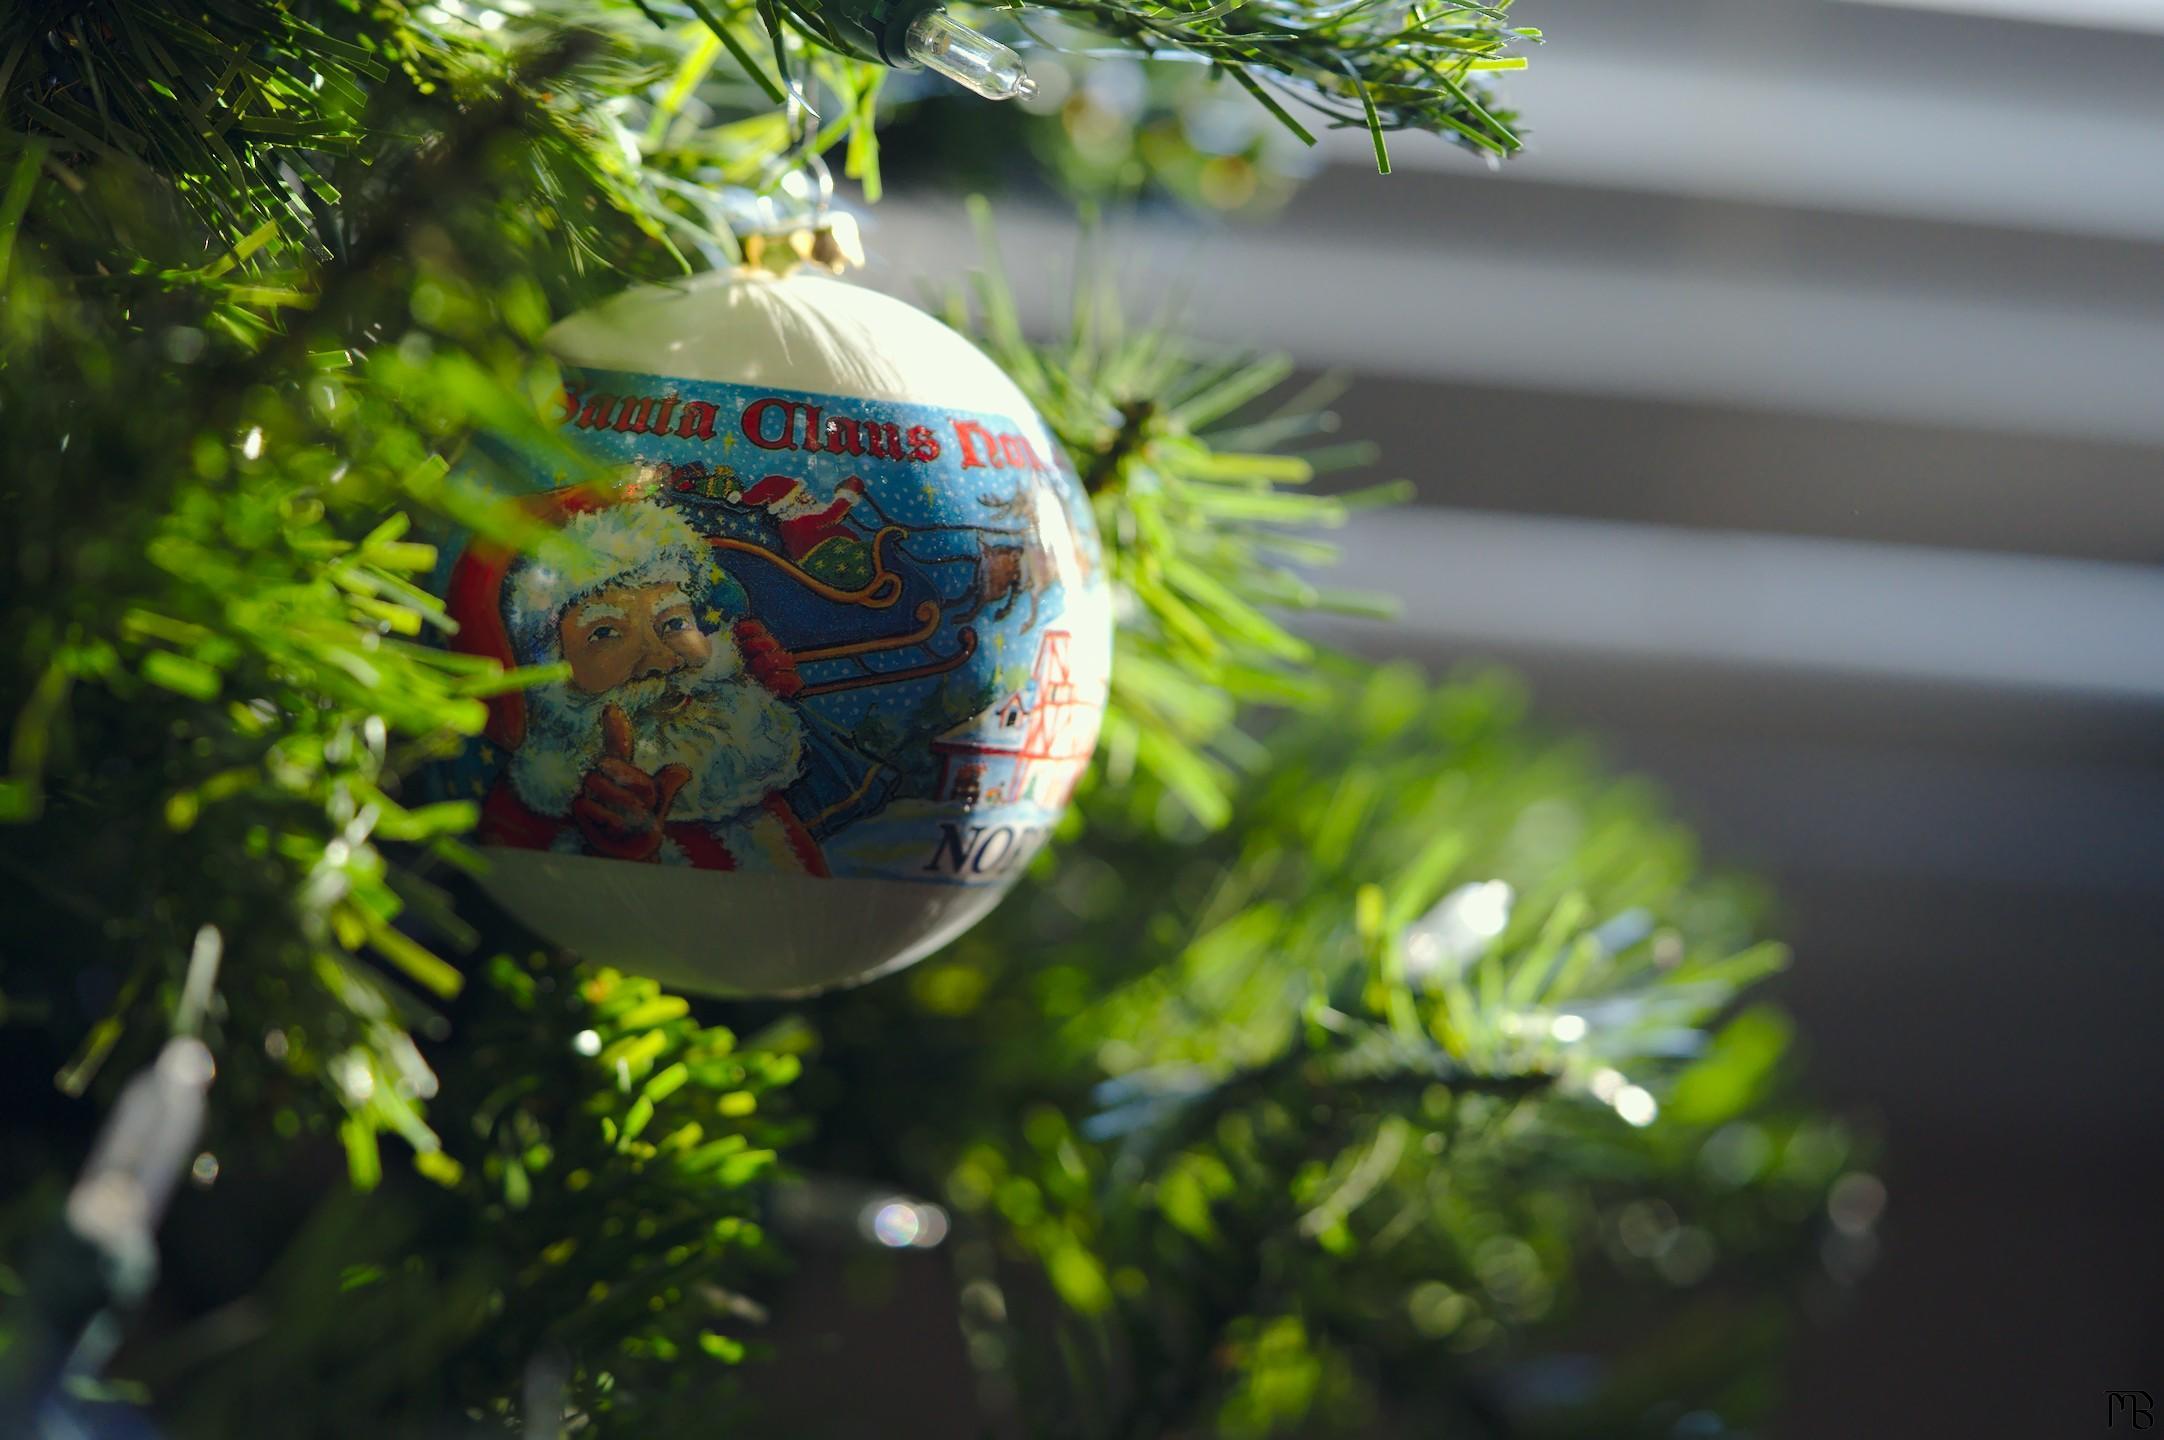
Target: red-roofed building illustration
1031, 746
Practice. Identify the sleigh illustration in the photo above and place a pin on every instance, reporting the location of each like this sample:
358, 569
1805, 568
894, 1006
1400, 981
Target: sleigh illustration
891, 621
862, 604
855, 605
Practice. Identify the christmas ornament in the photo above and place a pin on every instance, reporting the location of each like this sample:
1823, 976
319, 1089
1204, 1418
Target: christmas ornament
837, 631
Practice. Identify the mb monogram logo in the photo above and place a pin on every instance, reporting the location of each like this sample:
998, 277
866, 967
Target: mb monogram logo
2129, 1410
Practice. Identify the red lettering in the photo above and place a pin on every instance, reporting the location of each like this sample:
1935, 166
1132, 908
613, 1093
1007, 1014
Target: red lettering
661, 416
569, 399
755, 423
884, 441
966, 434
923, 444
696, 420
598, 412
631, 419
811, 427
845, 436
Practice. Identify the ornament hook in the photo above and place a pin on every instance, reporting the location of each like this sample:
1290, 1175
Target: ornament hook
796, 222
810, 172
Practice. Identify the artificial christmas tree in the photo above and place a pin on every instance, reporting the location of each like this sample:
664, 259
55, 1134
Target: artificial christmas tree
1350, 1050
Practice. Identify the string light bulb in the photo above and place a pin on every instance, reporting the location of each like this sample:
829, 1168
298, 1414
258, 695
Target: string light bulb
912, 33
971, 59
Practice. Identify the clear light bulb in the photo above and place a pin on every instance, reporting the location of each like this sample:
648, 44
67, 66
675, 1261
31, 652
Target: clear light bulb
976, 62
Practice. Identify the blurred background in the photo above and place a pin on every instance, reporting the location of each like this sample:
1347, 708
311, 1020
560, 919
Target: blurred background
1792, 416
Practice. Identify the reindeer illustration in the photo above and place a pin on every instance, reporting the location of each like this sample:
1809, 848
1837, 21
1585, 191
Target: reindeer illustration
1015, 563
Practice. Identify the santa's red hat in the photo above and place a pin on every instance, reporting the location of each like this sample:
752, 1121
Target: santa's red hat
851, 489
506, 604
772, 489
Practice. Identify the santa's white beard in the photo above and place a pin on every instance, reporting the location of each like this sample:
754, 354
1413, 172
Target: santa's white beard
739, 740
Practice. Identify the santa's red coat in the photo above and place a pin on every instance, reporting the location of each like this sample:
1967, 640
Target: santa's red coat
508, 820
805, 533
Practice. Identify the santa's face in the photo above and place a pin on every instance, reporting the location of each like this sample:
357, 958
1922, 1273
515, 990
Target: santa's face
684, 693
630, 632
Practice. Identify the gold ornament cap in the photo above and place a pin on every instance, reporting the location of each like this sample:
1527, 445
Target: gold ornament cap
831, 242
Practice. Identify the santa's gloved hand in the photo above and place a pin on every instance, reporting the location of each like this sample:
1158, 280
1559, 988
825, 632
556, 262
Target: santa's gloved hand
769, 663
620, 809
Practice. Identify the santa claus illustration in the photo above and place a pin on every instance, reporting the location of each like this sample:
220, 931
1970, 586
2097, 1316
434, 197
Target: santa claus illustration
670, 741
816, 534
